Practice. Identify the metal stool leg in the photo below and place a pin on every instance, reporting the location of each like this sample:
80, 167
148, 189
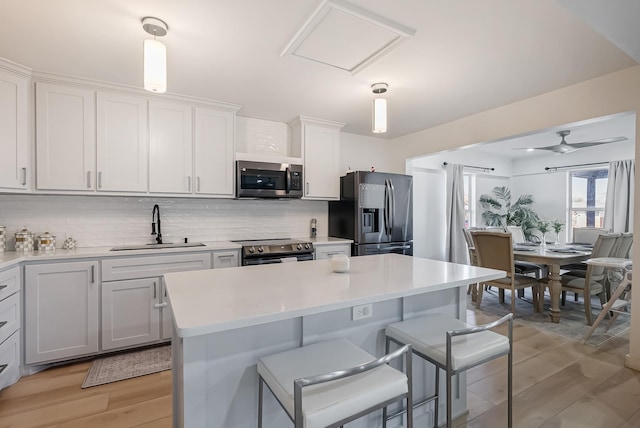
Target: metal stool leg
510, 378
260, 395
437, 399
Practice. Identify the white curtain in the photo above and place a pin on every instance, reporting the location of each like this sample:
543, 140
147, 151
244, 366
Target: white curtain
456, 245
618, 210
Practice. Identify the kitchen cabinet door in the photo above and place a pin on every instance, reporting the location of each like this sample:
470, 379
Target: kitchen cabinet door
225, 259
326, 251
121, 143
319, 141
214, 152
61, 311
14, 144
165, 312
130, 315
170, 148
65, 138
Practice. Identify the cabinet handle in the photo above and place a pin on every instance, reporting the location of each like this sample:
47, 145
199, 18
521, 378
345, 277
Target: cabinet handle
3, 323
24, 176
99, 179
88, 179
189, 183
198, 181
155, 290
2, 367
93, 274
3, 286
335, 254
226, 256
306, 188
160, 305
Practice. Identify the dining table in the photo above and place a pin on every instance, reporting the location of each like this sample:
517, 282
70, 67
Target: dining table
554, 257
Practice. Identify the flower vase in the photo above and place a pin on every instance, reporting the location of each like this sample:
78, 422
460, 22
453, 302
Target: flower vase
544, 241
557, 239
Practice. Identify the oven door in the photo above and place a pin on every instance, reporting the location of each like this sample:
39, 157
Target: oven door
268, 180
277, 259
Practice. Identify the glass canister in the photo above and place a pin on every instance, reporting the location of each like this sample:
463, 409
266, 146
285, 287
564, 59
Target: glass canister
24, 240
3, 239
46, 242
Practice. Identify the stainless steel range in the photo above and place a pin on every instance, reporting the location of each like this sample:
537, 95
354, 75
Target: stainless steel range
259, 252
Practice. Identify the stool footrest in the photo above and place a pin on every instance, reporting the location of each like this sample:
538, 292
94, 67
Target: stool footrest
415, 406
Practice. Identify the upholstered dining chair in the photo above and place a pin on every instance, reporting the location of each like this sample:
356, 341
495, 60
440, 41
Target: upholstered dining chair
587, 235
593, 281
495, 250
525, 268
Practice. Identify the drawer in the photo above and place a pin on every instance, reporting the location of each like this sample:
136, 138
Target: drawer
10, 360
326, 251
9, 282
9, 316
146, 267
224, 259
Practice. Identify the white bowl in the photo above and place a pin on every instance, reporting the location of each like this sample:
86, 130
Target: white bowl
340, 263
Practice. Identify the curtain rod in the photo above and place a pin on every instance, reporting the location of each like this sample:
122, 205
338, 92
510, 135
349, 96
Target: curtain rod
471, 166
548, 168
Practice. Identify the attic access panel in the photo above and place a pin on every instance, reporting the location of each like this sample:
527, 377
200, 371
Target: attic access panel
343, 36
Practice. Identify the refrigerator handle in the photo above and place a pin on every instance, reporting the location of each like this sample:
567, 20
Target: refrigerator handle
386, 207
392, 206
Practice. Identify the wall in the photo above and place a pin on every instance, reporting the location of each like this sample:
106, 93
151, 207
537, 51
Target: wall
361, 152
614, 93
107, 220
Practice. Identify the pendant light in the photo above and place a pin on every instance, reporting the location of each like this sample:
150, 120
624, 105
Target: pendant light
379, 108
155, 56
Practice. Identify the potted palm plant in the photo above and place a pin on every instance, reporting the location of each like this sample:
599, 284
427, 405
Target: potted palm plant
499, 211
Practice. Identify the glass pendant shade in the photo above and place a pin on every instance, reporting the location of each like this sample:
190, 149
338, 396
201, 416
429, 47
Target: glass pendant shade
155, 66
379, 115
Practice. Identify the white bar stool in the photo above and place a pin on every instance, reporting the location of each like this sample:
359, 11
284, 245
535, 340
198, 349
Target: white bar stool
341, 382
454, 346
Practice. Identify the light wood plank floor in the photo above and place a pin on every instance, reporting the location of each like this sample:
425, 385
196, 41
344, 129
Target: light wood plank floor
557, 383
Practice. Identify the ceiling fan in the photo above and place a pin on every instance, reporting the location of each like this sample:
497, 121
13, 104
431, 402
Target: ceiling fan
563, 147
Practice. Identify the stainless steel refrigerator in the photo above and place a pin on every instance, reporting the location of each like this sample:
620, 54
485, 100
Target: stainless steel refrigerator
375, 211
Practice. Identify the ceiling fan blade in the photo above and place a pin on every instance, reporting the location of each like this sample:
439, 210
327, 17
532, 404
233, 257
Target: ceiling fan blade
601, 141
557, 148
585, 144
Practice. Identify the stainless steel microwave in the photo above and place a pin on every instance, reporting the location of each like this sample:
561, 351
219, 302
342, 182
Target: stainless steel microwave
268, 180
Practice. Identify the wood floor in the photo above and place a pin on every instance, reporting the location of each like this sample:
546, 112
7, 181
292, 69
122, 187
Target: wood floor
557, 383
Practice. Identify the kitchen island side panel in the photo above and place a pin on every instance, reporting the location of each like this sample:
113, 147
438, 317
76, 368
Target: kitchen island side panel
217, 383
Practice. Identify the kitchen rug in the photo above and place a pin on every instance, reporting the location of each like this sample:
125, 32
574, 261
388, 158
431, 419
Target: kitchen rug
127, 366
573, 322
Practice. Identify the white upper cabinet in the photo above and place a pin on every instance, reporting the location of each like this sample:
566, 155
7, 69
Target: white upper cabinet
170, 148
65, 138
214, 152
121, 143
320, 144
13, 131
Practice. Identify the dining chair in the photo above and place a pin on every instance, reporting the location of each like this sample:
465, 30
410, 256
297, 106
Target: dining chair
523, 268
593, 281
587, 235
472, 257
494, 250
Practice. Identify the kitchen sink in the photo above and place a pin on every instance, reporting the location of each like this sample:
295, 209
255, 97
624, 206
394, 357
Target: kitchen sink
157, 246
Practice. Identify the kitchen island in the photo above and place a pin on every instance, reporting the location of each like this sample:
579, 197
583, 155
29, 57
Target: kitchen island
225, 320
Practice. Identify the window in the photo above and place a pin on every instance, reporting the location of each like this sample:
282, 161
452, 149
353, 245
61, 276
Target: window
588, 194
469, 197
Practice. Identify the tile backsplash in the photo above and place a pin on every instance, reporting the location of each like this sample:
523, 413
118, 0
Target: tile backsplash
96, 221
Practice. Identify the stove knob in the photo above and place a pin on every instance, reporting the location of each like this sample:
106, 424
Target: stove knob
260, 249
306, 246
299, 246
252, 250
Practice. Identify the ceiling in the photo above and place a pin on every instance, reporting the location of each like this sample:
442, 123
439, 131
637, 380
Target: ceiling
466, 56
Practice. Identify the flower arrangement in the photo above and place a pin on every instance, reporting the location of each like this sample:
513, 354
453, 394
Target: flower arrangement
544, 227
557, 226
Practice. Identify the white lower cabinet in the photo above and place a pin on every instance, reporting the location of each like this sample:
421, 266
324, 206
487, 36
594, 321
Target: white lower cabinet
225, 259
328, 250
10, 321
135, 308
61, 311
130, 315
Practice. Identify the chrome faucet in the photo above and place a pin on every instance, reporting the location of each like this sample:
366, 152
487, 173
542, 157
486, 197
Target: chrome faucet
154, 218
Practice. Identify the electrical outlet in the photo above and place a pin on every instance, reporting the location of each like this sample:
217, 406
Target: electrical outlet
361, 312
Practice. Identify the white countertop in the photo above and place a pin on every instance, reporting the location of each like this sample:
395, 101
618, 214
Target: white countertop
11, 258
210, 301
